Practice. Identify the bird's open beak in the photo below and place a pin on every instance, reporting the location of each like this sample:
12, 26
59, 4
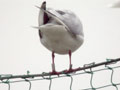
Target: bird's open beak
45, 15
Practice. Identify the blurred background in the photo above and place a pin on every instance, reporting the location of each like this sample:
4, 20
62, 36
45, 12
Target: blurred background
21, 50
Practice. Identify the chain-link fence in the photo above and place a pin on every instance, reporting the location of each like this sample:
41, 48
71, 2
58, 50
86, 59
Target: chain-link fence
86, 69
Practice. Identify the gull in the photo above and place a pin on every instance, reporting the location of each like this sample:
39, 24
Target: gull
60, 31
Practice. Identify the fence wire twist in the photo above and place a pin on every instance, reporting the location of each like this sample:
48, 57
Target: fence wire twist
86, 69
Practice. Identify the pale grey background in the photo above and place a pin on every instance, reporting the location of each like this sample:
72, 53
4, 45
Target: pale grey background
20, 48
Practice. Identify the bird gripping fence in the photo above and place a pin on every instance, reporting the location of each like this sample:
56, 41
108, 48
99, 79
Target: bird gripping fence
87, 69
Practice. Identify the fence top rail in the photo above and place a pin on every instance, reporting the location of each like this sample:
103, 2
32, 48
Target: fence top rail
86, 66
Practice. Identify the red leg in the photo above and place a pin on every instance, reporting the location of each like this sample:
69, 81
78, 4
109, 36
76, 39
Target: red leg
70, 54
53, 65
70, 67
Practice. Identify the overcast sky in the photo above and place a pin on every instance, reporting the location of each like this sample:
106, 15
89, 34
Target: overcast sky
20, 47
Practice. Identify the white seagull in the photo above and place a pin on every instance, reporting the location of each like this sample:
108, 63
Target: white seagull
60, 32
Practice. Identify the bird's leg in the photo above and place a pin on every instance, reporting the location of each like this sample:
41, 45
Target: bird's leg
53, 65
70, 54
70, 67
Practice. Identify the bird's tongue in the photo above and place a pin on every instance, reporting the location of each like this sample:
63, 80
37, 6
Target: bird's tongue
46, 18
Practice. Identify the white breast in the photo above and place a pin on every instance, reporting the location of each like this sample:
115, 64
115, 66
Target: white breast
56, 38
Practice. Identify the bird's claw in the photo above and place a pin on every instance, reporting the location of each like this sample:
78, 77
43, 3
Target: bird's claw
54, 73
71, 70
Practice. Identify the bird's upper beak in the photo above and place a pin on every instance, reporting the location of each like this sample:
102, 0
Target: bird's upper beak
43, 6
43, 17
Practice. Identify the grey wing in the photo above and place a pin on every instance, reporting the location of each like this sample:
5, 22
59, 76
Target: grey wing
73, 23
68, 19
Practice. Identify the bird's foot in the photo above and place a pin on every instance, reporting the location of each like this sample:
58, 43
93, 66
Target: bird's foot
54, 73
71, 70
